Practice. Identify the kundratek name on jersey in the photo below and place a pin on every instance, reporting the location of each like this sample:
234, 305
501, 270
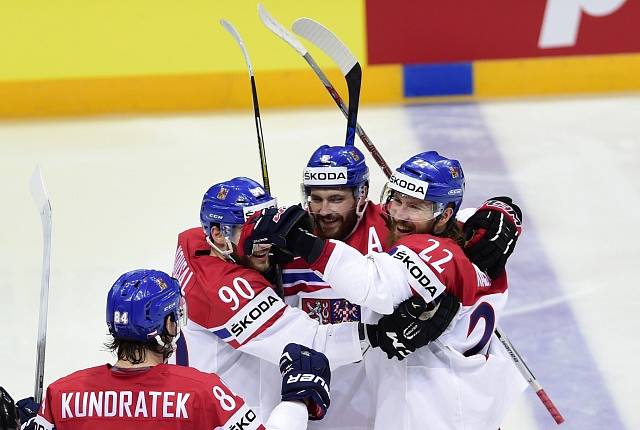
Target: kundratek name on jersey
131, 404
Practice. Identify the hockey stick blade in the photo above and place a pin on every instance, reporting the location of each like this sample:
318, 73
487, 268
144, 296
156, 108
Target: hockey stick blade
346, 61
234, 33
39, 193
324, 39
343, 57
279, 30
256, 107
43, 204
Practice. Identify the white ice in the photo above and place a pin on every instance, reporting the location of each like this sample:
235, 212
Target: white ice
121, 189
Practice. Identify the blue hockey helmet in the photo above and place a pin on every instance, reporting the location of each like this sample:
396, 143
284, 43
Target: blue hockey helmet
139, 302
336, 166
431, 177
232, 202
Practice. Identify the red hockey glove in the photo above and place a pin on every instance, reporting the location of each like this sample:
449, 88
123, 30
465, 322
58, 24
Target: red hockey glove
491, 234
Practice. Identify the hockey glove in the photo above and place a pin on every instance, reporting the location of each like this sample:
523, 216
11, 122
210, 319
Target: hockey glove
384, 335
306, 377
288, 229
28, 409
8, 413
413, 325
491, 234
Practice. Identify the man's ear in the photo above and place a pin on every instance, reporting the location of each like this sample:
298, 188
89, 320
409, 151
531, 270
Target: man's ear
217, 237
444, 218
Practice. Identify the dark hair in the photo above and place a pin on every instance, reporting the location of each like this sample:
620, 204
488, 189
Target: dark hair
135, 351
453, 231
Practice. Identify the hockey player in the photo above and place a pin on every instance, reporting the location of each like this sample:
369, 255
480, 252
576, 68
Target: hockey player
145, 313
238, 324
335, 187
421, 201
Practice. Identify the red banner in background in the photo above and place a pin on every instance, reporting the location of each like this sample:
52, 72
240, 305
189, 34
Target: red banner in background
437, 31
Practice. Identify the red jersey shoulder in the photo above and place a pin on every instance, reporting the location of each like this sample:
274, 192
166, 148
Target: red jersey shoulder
371, 232
190, 243
76, 378
219, 289
193, 377
211, 272
461, 277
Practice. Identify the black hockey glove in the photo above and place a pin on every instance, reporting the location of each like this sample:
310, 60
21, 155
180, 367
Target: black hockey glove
288, 229
412, 325
8, 412
491, 234
277, 259
306, 377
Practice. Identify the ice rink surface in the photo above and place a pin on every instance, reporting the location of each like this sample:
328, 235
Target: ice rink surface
123, 187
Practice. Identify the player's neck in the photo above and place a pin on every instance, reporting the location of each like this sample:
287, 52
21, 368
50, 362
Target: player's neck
151, 359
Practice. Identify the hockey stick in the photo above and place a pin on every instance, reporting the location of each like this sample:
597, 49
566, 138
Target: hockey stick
256, 112
44, 207
349, 65
256, 108
334, 48
528, 375
293, 41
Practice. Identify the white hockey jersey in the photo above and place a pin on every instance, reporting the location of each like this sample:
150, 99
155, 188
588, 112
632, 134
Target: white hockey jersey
238, 326
462, 380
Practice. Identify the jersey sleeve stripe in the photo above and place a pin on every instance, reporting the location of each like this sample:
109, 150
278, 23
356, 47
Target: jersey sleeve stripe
290, 277
320, 264
303, 287
266, 325
223, 333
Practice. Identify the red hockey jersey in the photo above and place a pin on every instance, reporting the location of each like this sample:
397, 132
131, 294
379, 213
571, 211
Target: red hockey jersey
238, 326
303, 288
162, 396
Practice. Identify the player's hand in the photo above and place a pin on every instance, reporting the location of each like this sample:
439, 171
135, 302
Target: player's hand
28, 409
306, 377
491, 234
413, 325
287, 228
8, 414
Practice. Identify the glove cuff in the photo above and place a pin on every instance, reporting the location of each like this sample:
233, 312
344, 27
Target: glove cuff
305, 244
371, 334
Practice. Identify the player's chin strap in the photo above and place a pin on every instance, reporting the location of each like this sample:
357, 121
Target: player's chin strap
168, 348
226, 254
361, 194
